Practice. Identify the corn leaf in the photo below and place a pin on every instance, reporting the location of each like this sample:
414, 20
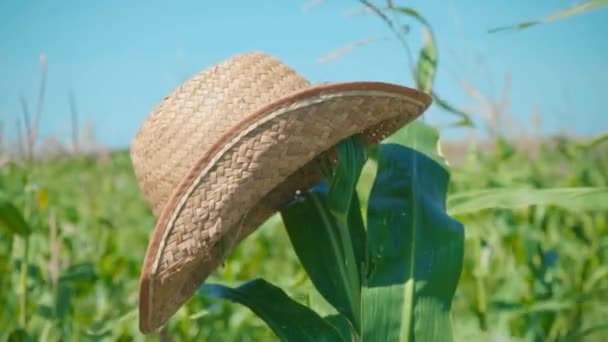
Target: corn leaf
82, 272
327, 233
426, 66
465, 118
427, 62
421, 137
576, 199
343, 326
317, 241
427, 58
12, 220
579, 8
288, 319
415, 250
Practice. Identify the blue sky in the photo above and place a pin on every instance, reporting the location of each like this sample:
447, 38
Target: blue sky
120, 58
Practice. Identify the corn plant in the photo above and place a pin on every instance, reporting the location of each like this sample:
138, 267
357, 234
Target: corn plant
390, 277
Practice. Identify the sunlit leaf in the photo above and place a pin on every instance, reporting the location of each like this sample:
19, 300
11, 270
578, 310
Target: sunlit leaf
421, 137
288, 319
567, 198
416, 250
12, 220
427, 62
579, 8
42, 196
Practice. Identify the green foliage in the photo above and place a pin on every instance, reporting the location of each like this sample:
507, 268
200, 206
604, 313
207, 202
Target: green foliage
534, 272
390, 281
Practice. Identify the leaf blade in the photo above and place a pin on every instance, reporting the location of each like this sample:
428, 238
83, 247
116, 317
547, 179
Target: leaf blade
421, 137
416, 250
314, 236
12, 219
567, 198
288, 319
327, 232
576, 9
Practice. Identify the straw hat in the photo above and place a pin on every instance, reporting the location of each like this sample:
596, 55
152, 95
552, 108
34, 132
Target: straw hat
228, 148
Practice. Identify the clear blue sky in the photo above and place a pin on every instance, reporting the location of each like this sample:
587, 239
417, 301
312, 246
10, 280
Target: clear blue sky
120, 58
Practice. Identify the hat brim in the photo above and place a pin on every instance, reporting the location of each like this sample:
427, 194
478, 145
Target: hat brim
233, 186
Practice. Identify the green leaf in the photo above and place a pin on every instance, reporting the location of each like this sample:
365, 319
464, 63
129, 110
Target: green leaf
82, 272
593, 142
316, 238
411, 13
427, 65
415, 250
465, 118
63, 301
351, 158
519, 26
327, 232
577, 199
288, 319
45, 312
18, 335
427, 62
12, 219
343, 326
421, 137
344, 205
427, 59
579, 8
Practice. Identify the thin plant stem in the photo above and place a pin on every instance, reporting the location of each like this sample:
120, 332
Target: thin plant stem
24, 269
20, 148
480, 289
393, 27
41, 92
28, 129
74, 121
23, 283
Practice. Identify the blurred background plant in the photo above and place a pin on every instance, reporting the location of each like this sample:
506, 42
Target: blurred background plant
74, 227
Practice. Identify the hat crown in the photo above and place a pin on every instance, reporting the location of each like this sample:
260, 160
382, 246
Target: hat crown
196, 115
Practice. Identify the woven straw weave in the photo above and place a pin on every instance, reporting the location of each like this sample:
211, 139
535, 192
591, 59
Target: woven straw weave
228, 148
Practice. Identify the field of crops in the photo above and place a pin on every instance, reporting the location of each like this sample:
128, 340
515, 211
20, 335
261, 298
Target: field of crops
537, 272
